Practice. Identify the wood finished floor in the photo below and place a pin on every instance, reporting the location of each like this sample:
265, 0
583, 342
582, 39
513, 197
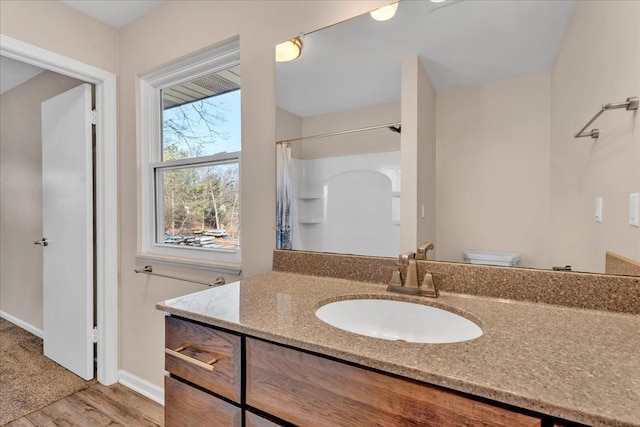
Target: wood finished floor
97, 406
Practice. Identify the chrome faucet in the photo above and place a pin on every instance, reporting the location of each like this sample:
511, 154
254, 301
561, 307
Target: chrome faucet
410, 285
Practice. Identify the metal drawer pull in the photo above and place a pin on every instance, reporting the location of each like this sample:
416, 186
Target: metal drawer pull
204, 365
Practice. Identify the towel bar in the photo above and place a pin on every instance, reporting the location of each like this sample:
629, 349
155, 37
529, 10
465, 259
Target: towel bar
147, 269
629, 104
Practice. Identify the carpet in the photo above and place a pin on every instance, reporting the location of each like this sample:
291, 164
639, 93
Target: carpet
29, 380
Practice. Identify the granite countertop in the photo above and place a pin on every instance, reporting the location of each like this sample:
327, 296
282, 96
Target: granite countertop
575, 364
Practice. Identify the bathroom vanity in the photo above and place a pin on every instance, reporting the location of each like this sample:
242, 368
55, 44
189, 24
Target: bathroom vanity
262, 356
302, 388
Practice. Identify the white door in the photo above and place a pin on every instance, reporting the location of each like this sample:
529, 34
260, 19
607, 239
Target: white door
67, 203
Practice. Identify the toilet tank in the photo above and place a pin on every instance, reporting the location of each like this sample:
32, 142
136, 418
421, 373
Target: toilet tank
491, 258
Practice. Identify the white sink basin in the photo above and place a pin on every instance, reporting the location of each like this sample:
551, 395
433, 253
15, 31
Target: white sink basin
398, 320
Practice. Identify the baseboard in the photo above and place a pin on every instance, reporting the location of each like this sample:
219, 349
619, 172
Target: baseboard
141, 386
24, 325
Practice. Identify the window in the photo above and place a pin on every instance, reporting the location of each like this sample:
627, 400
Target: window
191, 145
196, 180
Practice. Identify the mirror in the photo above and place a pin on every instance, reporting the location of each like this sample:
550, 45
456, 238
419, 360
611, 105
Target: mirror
488, 96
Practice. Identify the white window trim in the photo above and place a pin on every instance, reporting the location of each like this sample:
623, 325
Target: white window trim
149, 111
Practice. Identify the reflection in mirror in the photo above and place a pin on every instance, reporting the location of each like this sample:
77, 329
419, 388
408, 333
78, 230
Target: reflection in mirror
489, 95
340, 192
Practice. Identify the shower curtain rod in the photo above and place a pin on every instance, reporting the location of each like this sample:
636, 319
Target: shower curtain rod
324, 135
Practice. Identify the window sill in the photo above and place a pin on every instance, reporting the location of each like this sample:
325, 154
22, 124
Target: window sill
232, 269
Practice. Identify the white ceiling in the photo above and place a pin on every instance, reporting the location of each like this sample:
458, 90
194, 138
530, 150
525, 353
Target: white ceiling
116, 13
460, 43
13, 73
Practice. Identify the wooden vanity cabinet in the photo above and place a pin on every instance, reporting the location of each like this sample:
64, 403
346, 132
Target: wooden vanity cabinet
190, 347
310, 390
300, 388
205, 366
254, 420
186, 405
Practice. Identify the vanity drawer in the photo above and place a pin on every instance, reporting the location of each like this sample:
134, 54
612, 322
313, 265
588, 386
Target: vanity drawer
309, 390
204, 356
187, 406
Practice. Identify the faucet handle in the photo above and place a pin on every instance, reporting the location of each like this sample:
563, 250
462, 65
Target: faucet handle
429, 288
403, 259
396, 279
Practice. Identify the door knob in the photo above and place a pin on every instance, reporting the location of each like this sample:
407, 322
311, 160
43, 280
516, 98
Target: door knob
42, 242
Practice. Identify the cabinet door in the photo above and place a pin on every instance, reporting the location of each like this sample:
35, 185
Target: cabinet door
204, 356
309, 390
186, 406
253, 420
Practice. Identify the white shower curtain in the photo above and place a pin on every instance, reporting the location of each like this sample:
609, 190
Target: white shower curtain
284, 196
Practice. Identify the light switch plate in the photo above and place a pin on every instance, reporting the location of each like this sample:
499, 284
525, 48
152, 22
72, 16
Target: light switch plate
634, 209
598, 213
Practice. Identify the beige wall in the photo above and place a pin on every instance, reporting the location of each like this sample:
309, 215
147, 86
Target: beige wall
370, 141
493, 169
425, 111
54, 26
21, 194
289, 126
417, 157
598, 62
177, 30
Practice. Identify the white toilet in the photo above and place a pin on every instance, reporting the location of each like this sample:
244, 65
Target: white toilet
491, 258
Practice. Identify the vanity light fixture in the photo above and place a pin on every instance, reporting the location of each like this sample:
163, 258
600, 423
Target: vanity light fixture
385, 12
289, 50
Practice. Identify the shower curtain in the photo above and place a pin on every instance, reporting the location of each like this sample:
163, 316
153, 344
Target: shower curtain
284, 196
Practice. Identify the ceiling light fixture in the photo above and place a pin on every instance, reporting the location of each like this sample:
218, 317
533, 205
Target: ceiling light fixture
385, 12
289, 50
438, 1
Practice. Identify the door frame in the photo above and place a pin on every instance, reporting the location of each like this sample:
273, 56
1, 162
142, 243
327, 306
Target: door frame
106, 210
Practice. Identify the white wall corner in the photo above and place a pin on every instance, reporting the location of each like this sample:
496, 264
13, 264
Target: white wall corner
141, 386
24, 325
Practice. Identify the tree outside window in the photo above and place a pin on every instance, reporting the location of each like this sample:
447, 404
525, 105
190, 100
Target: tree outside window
198, 177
